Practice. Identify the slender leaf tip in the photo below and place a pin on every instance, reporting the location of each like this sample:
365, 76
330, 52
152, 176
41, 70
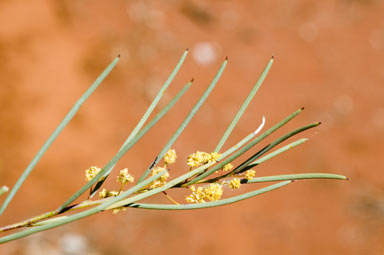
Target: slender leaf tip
3, 190
260, 126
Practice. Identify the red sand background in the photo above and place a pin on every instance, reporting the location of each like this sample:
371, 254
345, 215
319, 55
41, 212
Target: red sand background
328, 58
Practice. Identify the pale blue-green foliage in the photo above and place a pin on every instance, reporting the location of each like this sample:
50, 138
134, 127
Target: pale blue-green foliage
131, 198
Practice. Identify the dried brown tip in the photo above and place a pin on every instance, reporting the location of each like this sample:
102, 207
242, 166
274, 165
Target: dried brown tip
319, 123
302, 108
226, 58
192, 79
186, 49
273, 57
118, 56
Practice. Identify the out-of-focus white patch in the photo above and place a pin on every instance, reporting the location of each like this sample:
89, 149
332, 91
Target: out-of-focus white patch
204, 53
38, 244
344, 104
73, 244
308, 31
378, 117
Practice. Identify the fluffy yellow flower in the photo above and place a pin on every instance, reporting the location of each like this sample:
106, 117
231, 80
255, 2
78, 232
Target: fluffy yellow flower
235, 183
213, 192
125, 177
196, 159
227, 167
170, 157
250, 174
91, 172
214, 157
200, 158
103, 193
161, 180
197, 195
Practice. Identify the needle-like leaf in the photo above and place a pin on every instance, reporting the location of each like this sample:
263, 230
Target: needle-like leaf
56, 133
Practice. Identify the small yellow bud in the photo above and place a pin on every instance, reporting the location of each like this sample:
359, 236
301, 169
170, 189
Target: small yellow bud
214, 157
235, 183
170, 157
200, 158
103, 193
124, 177
213, 192
91, 172
197, 195
250, 174
113, 193
162, 180
196, 159
227, 167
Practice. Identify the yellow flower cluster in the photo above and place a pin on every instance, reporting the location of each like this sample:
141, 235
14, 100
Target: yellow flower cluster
125, 177
250, 174
213, 192
105, 193
200, 158
227, 167
161, 180
197, 195
235, 183
170, 157
91, 172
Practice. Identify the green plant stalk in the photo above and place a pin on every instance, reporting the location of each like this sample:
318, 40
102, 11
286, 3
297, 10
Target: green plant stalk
88, 203
279, 151
56, 133
244, 106
245, 148
146, 115
243, 141
244, 166
67, 219
294, 177
117, 157
261, 160
186, 121
221, 202
290, 178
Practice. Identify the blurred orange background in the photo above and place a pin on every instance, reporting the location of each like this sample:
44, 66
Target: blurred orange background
328, 58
